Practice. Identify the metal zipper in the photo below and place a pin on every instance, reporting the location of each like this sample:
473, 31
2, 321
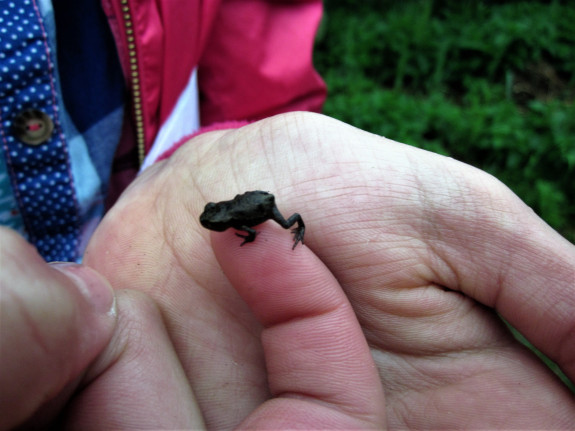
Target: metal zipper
135, 79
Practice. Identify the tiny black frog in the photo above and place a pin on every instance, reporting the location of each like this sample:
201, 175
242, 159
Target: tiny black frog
247, 210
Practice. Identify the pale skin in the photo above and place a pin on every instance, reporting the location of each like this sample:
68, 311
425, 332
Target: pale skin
385, 318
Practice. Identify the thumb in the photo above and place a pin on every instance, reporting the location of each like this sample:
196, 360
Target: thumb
54, 320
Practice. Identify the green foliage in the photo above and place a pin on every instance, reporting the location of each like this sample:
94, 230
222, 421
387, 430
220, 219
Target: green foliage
490, 83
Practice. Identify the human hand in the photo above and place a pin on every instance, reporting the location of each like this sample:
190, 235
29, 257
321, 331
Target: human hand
54, 320
66, 339
424, 247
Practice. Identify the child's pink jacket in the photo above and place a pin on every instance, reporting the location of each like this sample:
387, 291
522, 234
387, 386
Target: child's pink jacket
192, 64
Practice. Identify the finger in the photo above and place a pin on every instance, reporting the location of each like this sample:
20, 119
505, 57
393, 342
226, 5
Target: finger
54, 321
319, 365
506, 257
137, 382
535, 292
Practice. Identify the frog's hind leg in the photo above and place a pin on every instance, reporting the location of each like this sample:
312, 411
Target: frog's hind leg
250, 237
298, 232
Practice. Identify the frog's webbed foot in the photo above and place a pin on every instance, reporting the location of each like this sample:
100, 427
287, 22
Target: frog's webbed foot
250, 237
298, 233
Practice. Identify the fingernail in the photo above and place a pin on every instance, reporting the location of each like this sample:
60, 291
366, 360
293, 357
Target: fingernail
93, 286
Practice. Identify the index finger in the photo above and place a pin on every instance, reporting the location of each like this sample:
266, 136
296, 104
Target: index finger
319, 366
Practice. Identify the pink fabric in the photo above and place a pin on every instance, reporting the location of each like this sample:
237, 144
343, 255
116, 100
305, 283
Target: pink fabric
258, 61
254, 60
254, 57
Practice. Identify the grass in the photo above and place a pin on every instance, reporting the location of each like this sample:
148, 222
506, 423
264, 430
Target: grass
488, 83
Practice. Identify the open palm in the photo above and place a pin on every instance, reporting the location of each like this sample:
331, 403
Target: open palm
425, 248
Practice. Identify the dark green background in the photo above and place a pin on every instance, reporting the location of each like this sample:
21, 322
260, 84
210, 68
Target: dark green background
489, 83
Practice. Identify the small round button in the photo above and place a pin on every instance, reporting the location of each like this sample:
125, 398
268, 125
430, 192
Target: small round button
33, 127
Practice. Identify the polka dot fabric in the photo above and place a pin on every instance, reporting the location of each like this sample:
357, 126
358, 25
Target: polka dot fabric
40, 174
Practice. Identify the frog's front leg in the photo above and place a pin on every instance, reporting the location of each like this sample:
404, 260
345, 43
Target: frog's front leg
250, 237
298, 232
